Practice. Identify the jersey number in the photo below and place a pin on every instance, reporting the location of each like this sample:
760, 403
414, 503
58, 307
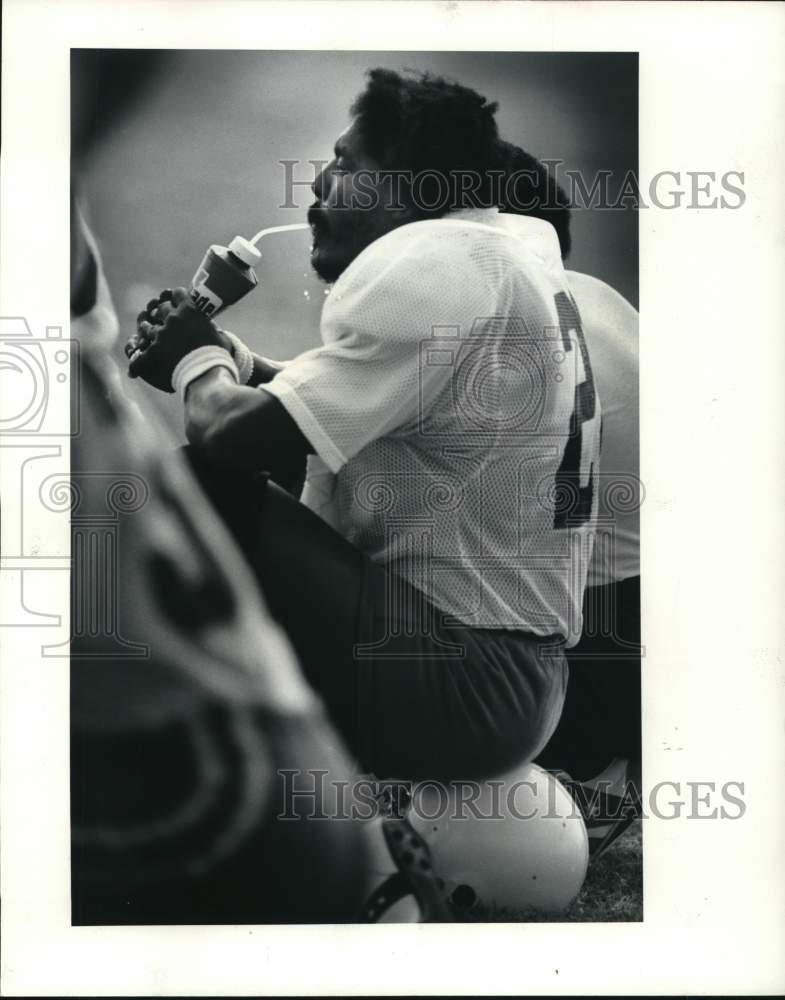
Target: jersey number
574, 485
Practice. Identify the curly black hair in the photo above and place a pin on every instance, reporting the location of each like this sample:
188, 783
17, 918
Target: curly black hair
436, 130
529, 189
425, 120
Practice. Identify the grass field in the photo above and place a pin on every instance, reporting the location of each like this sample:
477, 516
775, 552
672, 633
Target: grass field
613, 890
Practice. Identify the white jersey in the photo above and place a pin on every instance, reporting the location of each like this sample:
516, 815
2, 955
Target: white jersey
610, 326
454, 419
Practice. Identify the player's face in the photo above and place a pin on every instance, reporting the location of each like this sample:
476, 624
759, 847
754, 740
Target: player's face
354, 206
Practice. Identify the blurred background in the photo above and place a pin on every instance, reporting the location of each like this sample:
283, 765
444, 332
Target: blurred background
194, 160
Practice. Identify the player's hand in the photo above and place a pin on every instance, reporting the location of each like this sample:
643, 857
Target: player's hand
168, 328
138, 344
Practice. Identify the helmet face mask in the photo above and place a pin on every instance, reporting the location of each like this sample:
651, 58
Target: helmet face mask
514, 845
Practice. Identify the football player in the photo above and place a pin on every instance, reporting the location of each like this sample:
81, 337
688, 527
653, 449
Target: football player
433, 574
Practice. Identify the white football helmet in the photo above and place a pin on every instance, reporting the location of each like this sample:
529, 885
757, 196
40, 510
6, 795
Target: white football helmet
514, 844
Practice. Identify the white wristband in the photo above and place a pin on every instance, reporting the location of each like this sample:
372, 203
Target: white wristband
197, 363
242, 358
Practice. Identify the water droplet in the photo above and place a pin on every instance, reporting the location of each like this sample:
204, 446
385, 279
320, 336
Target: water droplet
307, 294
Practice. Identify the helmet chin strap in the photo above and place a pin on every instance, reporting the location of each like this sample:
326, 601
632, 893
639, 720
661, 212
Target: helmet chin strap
415, 877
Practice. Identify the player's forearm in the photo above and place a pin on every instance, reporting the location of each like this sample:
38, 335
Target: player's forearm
237, 427
217, 413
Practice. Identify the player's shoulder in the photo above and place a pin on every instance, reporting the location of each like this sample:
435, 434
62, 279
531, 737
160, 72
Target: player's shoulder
426, 241
473, 233
609, 321
418, 265
598, 300
469, 248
